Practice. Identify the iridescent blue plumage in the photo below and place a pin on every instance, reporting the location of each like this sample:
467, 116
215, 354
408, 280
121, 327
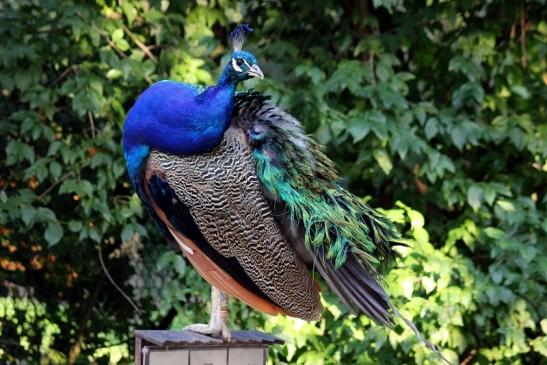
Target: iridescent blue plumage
175, 117
184, 119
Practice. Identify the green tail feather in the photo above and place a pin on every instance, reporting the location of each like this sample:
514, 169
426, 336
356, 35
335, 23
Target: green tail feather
306, 181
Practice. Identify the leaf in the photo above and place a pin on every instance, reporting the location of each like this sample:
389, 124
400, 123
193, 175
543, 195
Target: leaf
358, 129
416, 218
494, 233
53, 233
489, 195
55, 170
407, 285
518, 137
127, 233
493, 294
420, 234
458, 136
19, 151
348, 75
84, 187
94, 234
323, 134
114, 74
465, 93
53, 148
497, 276
474, 197
383, 71
428, 284
117, 34
75, 226
431, 128
383, 160
388, 4
129, 11
520, 91
478, 93
506, 205
45, 215
22, 80
27, 214
312, 72
377, 121
420, 113
69, 186
528, 252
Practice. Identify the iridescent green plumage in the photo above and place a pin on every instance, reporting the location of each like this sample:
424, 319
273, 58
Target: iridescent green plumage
294, 169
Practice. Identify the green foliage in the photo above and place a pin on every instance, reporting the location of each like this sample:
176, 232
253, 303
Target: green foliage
434, 110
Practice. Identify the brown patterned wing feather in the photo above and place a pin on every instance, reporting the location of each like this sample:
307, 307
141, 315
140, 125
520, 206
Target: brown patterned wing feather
207, 267
225, 200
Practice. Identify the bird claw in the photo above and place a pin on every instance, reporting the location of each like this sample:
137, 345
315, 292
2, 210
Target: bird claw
217, 324
215, 330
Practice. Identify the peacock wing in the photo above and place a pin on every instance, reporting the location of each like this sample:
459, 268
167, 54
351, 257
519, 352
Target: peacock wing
212, 205
330, 228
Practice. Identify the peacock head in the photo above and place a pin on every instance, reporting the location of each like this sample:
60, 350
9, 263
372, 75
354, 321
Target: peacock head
242, 65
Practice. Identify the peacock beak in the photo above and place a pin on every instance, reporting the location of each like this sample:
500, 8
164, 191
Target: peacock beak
255, 71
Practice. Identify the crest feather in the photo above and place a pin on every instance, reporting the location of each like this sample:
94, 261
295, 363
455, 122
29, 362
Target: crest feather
237, 37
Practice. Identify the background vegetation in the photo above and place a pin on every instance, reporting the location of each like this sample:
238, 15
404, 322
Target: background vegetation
433, 110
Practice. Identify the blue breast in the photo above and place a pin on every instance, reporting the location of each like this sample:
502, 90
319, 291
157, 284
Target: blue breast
176, 118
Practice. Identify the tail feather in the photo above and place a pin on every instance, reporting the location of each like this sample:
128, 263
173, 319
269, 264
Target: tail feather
418, 334
365, 300
368, 281
338, 287
360, 291
356, 287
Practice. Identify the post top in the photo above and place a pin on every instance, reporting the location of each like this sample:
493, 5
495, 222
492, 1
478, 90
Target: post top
165, 338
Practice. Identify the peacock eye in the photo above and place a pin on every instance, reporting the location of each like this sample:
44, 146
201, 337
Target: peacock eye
239, 61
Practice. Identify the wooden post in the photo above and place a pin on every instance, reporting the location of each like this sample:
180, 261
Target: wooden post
154, 347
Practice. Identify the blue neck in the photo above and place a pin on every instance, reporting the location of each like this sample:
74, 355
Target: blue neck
227, 78
219, 96
172, 117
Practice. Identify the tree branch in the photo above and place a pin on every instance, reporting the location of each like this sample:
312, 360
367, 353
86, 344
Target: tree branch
469, 358
52, 186
141, 45
523, 58
64, 74
136, 307
91, 123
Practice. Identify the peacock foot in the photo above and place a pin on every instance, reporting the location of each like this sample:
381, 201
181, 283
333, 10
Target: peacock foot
219, 312
215, 330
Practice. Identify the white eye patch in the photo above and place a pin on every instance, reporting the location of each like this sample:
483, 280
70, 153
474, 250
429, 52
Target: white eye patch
235, 66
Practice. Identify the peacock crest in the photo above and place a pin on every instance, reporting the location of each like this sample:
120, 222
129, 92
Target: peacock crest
237, 37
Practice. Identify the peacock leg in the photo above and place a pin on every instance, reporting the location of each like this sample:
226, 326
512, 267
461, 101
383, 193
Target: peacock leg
219, 313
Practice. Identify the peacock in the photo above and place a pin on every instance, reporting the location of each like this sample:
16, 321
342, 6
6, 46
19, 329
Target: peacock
252, 201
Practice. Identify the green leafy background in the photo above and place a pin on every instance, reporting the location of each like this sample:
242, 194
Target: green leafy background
433, 110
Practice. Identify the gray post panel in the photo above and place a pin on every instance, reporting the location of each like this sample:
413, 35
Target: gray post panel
153, 347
